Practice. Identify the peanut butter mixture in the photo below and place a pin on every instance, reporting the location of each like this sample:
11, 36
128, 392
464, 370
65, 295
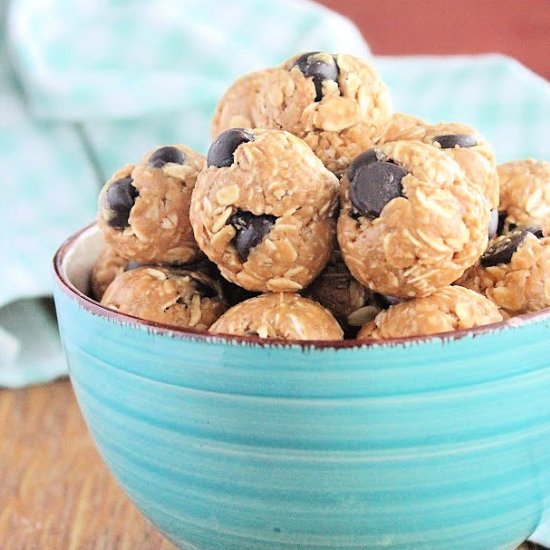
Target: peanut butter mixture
144, 208
286, 316
336, 103
463, 143
107, 267
525, 194
177, 297
239, 106
514, 273
450, 308
342, 215
264, 209
416, 232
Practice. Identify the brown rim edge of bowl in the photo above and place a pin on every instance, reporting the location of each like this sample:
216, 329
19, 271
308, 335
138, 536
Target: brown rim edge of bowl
97, 309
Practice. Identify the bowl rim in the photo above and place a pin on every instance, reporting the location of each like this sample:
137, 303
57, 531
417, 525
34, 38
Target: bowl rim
96, 308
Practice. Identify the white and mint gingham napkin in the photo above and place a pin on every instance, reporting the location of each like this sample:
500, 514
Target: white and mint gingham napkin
88, 85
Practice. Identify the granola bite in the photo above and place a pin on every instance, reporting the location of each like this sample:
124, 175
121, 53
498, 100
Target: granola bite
336, 103
350, 302
409, 223
107, 267
144, 208
472, 153
514, 272
403, 126
287, 316
463, 143
239, 105
450, 308
525, 194
171, 296
263, 211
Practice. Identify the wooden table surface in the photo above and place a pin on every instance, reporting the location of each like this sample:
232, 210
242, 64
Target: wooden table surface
55, 492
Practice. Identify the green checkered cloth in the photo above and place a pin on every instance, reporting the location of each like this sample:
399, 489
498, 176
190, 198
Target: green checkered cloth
87, 86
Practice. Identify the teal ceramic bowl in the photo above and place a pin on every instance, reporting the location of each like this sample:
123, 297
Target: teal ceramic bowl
230, 443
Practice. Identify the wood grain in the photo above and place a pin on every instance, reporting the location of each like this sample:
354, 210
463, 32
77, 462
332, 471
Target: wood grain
55, 492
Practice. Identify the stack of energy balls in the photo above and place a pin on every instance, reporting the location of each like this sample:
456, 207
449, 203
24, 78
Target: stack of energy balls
319, 213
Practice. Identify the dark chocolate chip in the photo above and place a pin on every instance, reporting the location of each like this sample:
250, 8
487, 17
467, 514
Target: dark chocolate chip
535, 230
364, 159
251, 230
119, 198
164, 155
374, 185
312, 65
450, 141
221, 151
384, 301
493, 223
503, 248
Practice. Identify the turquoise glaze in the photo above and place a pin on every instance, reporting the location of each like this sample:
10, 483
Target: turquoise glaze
434, 443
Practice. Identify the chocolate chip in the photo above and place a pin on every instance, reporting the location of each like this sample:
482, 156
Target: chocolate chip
384, 301
374, 185
493, 223
312, 65
364, 159
503, 248
221, 151
535, 230
251, 230
119, 198
450, 141
164, 155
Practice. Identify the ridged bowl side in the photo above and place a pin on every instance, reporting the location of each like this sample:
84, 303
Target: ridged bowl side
233, 446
